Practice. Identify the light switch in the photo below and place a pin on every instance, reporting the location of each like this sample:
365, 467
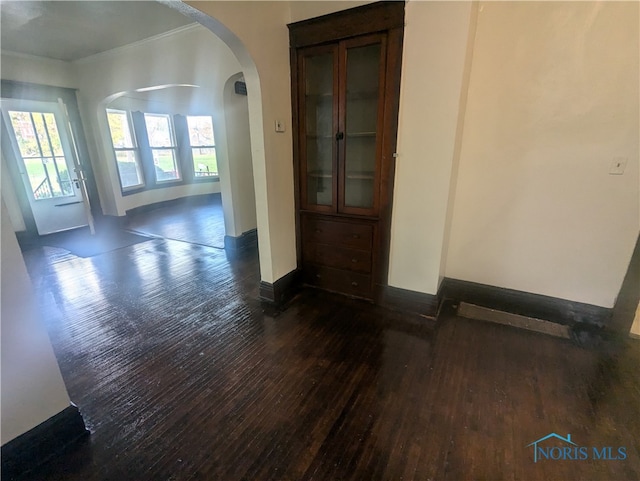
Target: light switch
618, 165
279, 126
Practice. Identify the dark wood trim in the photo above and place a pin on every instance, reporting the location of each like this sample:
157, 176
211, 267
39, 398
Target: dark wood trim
374, 17
404, 300
191, 199
295, 114
626, 304
248, 240
282, 290
33, 448
524, 303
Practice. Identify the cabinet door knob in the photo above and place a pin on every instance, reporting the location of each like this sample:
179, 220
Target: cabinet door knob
318, 276
355, 236
354, 284
340, 136
354, 260
318, 230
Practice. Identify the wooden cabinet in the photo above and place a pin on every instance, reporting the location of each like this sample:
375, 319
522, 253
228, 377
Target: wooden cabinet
345, 87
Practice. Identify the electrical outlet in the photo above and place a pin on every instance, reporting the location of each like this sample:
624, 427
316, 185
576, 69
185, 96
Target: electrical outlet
618, 164
279, 126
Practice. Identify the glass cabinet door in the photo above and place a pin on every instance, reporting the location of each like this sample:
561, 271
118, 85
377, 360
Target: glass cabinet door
362, 91
319, 124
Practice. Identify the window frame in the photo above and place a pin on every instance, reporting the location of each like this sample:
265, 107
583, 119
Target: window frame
143, 151
135, 149
173, 148
196, 177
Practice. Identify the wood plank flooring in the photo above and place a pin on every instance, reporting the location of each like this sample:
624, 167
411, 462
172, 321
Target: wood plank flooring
181, 374
197, 219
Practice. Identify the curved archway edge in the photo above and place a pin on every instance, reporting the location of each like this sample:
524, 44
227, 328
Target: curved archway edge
277, 257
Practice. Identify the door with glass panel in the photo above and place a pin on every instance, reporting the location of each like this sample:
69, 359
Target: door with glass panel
42, 148
341, 125
361, 124
318, 128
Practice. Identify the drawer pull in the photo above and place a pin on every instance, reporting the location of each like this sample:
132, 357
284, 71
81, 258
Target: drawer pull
318, 231
354, 284
318, 276
356, 236
354, 260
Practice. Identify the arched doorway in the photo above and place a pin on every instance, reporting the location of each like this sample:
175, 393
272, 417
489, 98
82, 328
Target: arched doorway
271, 153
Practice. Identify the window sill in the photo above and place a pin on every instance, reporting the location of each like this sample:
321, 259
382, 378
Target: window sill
169, 183
211, 178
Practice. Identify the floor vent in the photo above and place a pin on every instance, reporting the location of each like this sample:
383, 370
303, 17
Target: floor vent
471, 311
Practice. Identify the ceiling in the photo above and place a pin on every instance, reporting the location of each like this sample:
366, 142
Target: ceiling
70, 31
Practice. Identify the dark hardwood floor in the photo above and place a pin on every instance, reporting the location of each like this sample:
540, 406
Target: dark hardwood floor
196, 219
181, 374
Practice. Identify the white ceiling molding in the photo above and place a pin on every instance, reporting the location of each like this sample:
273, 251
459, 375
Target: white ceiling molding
28, 56
119, 50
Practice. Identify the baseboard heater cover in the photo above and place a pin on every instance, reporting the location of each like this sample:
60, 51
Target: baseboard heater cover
471, 311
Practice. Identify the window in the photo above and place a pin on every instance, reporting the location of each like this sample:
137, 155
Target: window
40, 147
125, 149
203, 146
163, 147
158, 150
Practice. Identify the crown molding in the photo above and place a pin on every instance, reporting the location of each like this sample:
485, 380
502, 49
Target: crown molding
118, 50
28, 56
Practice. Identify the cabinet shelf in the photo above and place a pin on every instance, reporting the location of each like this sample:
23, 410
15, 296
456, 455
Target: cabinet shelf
318, 174
359, 175
320, 136
362, 95
361, 134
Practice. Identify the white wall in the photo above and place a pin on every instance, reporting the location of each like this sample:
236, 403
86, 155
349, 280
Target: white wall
191, 55
553, 99
32, 386
510, 115
10, 198
38, 70
303, 10
236, 113
515, 160
522, 142
635, 328
436, 51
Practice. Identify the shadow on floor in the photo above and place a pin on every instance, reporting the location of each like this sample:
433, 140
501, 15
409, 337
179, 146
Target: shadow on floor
82, 243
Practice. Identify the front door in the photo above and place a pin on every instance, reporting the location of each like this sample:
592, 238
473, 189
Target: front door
38, 134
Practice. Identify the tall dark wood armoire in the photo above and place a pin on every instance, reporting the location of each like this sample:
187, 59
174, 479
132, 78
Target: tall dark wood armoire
345, 71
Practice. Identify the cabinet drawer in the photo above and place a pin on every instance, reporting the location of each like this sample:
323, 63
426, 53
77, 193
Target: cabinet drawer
357, 236
338, 257
338, 280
